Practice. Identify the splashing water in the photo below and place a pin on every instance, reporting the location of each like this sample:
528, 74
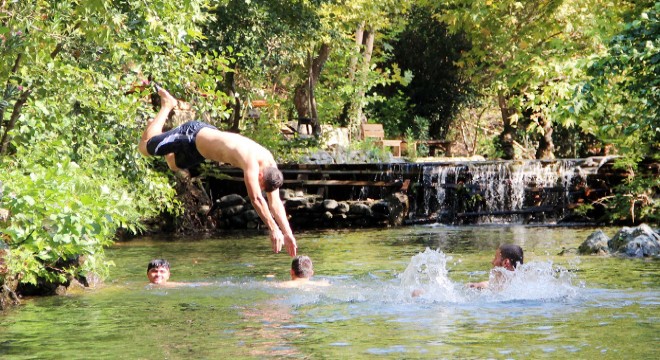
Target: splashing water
427, 277
533, 281
427, 272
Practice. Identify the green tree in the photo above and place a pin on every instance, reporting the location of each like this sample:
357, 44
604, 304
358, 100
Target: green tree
621, 105
72, 109
526, 55
437, 89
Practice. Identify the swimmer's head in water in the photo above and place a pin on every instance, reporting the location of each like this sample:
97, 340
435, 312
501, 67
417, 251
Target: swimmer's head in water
158, 271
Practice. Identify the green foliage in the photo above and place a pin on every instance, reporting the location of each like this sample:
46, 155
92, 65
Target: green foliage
623, 96
634, 202
297, 150
437, 88
394, 113
527, 55
62, 212
419, 131
72, 175
370, 151
620, 104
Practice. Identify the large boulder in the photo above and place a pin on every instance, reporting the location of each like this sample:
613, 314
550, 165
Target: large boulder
639, 241
596, 243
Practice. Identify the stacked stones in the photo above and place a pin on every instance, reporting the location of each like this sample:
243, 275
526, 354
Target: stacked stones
310, 211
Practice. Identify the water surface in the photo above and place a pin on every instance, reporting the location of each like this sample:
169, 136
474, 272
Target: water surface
560, 306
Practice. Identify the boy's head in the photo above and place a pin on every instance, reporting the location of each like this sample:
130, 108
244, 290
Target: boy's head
508, 256
158, 271
271, 179
301, 267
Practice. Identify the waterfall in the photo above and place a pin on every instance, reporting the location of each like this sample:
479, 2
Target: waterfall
494, 192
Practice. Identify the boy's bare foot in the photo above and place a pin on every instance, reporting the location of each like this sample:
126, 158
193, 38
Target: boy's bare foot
166, 100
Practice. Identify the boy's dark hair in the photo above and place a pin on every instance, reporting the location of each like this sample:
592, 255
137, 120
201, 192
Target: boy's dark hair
273, 178
302, 266
512, 252
156, 263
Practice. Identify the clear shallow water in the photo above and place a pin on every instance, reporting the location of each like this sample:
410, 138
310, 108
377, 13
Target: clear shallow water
555, 307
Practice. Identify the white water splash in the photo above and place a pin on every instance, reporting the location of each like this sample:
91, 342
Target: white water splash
427, 277
532, 281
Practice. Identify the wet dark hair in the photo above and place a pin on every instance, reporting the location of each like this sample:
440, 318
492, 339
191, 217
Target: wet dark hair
512, 252
302, 266
273, 178
156, 263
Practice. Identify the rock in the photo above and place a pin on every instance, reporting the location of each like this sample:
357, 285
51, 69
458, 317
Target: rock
8, 296
60, 290
330, 204
342, 208
319, 157
596, 243
251, 215
238, 222
381, 207
92, 280
360, 209
75, 287
399, 206
641, 246
230, 200
296, 204
203, 209
318, 207
286, 194
638, 241
232, 210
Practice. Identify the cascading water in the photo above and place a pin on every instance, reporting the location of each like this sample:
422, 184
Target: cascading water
494, 192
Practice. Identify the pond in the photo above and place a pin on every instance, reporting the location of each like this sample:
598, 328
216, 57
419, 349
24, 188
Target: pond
557, 306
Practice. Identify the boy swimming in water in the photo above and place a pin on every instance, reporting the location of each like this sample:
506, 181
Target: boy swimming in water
507, 257
302, 270
158, 273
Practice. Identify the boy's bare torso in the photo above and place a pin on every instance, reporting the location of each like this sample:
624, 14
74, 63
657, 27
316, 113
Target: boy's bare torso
233, 149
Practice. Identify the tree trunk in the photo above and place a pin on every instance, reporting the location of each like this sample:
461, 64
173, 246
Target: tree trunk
230, 85
368, 51
349, 110
15, 114
303, 99
507, 136
359, 35
546, 149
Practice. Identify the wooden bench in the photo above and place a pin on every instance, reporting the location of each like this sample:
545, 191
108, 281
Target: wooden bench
376, 131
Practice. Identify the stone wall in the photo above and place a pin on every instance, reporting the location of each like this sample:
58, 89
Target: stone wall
234, 211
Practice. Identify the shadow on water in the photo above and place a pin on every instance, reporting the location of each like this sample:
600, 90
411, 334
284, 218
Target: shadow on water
551, 307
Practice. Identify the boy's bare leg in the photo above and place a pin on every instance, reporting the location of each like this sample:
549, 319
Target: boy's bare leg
155, 125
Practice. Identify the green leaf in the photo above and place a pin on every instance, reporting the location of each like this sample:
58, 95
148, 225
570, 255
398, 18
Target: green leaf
29, 200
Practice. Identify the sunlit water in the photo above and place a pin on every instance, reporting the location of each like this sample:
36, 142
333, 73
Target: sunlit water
555, 306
